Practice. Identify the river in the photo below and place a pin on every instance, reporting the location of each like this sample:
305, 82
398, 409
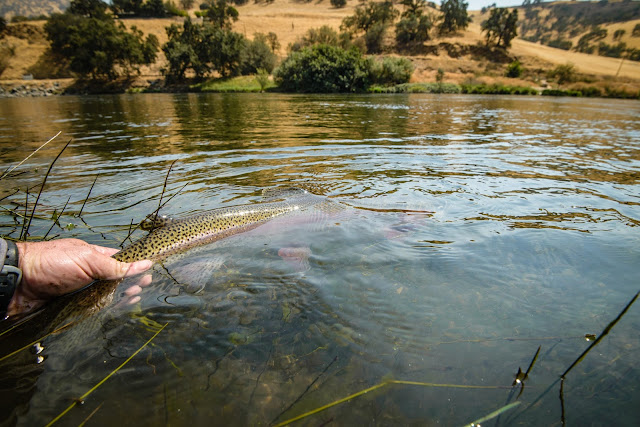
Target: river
472, 230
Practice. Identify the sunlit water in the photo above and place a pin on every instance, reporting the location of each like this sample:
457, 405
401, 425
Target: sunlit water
471, 230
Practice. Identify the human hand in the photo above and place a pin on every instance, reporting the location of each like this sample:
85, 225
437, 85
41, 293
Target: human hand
57, 267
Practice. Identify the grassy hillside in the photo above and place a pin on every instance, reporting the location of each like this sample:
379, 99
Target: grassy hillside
564, 24
460, 56
31, 8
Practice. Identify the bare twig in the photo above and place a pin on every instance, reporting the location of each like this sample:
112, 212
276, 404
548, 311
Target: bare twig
26, 231
27, 158
604, 333
88, 194
55, 220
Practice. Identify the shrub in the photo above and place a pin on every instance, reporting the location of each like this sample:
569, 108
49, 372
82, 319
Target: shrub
173, 10
417, 88
338, 3
563, 73
324, 68
322, 35
262, 77
439, 75
257, 55
391, 71
514, 70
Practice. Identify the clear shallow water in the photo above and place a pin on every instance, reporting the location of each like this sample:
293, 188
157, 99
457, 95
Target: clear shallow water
474, 230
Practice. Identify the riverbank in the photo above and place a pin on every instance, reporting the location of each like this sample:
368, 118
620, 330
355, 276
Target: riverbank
245, 84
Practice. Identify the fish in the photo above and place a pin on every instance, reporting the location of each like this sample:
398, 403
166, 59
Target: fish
170, 236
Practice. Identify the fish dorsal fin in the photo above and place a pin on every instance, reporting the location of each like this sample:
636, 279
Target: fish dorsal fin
279, 193
155, 221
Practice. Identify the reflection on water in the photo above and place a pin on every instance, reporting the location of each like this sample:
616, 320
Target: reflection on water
474, 230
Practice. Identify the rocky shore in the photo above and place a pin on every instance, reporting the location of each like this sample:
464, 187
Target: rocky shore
37, 88
31, 88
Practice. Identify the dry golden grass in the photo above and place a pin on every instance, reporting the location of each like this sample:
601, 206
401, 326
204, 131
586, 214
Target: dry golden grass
291, 19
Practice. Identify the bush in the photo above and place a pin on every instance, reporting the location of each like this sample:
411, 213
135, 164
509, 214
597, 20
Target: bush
563, 73
322, 35
391, 71
262, 77
324, 68
495, 89
173, 10
514, 70
417, 88
338, 3
255, 56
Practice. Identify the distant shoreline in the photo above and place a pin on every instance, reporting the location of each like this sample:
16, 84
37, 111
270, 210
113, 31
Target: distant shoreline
66, 87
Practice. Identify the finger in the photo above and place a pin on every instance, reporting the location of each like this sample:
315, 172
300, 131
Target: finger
134, 300
145, 280
133, 290
105, 251
138, 267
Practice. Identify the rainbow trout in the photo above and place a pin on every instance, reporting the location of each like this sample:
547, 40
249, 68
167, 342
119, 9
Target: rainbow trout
170, 236
173, 236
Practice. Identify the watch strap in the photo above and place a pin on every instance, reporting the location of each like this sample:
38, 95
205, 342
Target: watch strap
10, 275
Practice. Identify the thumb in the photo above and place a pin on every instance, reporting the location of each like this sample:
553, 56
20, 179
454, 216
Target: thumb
112, 269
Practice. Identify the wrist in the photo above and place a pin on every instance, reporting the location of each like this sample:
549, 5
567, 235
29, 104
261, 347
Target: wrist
10, 275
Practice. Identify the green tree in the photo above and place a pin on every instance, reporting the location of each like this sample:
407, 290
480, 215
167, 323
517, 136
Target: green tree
153, 8
372, 19
636, 31
338, 3
3, 26
368, 14
126, 7
97, 47
414, 24
202, 48
454, 16
501, 27
618, 34
324, 68
88, 8
221, 14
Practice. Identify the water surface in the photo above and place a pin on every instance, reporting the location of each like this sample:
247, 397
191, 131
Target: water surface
471, 231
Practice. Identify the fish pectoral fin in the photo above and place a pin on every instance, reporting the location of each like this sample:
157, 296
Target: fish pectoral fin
155, 221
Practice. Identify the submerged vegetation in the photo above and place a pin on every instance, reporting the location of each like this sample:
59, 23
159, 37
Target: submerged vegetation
280, 353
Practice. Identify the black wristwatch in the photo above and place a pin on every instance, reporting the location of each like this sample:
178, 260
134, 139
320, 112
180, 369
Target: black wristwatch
10, 275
